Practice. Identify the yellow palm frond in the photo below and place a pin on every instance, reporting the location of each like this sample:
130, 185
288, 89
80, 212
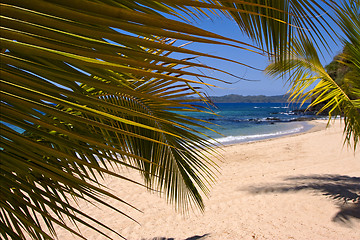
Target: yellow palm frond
304, 69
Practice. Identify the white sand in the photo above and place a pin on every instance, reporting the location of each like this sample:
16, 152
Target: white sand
272, 189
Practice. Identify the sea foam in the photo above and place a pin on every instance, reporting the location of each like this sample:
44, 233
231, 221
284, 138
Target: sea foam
250, 138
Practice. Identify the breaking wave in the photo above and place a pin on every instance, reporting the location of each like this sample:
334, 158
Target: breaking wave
249, 138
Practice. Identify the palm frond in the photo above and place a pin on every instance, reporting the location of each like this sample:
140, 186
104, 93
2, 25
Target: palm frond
304, 69
88, 86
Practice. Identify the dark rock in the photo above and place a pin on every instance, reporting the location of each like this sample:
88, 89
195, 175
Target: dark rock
273, 119
299, 119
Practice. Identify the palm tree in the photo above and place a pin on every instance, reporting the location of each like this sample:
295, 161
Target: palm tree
88, 86
339, 94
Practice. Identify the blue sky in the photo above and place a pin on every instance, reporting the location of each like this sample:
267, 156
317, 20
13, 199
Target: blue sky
263, 85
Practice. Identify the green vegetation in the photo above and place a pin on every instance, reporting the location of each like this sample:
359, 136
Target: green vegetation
342, 71
336, 69
235, 98
93, 85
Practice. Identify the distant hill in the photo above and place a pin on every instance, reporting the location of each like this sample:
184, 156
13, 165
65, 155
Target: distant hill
234, 98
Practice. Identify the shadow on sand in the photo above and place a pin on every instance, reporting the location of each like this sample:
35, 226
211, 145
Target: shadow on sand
344, 190
196, 237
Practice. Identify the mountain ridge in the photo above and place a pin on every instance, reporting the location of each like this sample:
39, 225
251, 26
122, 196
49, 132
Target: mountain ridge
236, 98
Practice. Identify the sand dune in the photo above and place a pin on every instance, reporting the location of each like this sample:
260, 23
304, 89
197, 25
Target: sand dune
295, 187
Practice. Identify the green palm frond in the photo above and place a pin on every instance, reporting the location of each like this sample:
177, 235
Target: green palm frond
276, 23
88, 86
304, 69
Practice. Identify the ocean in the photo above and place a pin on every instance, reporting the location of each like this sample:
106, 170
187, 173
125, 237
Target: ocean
246, 122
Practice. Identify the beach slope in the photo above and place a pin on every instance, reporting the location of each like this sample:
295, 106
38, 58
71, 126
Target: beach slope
296, 187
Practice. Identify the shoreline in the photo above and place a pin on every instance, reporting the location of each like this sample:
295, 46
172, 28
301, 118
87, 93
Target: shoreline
290, 187
315, 125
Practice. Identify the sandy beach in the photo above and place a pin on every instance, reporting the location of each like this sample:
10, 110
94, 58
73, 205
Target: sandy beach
303, 186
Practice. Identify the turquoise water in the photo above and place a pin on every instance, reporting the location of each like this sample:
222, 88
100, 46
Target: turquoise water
245, 122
